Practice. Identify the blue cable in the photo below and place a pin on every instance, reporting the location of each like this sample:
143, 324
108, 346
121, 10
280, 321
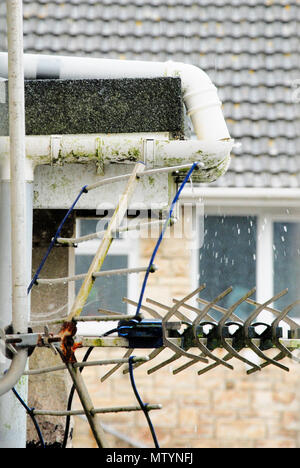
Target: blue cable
176, 198
142, 405
38, 271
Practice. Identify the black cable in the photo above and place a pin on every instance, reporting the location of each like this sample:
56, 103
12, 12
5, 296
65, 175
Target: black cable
30, 412
110, 332
142, 405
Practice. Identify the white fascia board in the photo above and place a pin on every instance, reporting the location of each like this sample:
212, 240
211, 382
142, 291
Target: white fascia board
243, 197
59, 165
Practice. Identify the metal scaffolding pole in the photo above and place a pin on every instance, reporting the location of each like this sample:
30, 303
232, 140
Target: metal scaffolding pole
12, 433
16, 227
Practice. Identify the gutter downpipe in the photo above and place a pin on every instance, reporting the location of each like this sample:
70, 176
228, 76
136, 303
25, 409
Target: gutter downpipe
199, 93
19, 198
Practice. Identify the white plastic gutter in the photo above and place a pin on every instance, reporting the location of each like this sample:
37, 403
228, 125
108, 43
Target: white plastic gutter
62, 149
200, 95
17, 188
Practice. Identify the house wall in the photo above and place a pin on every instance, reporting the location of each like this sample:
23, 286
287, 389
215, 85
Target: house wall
222, 408
48, 391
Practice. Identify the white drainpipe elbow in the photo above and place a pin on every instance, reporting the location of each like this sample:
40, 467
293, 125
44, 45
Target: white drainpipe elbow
14, 373
202, 101
199, 93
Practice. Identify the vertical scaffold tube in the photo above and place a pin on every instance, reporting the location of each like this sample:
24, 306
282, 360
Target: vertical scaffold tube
17, 165
19, 198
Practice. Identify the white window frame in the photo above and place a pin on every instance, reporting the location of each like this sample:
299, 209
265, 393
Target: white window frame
127, 245
267, 211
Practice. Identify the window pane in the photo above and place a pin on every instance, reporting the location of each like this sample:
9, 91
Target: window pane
90, 226
228, 258
107, 292
287, 263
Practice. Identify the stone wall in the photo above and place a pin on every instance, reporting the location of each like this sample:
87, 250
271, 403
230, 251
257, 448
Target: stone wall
225, 408
48, 391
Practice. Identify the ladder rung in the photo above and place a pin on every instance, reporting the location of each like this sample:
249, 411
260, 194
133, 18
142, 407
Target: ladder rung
149, 172
107, 362
162, 170
108, 312
104, 318
111, 316
115, 368
69, 279
116, 409
97, 235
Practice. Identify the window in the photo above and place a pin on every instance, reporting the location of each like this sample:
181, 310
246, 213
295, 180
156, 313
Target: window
287, 263
101, 295
247, 251
228, 258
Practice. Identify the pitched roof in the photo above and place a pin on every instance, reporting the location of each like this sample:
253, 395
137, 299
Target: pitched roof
250, 49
